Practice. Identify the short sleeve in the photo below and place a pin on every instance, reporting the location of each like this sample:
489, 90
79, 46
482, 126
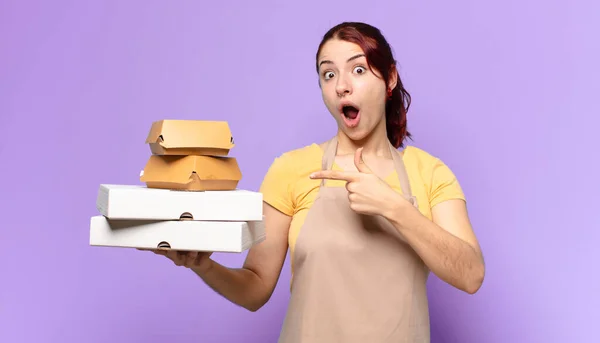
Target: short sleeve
444, 184
276, 186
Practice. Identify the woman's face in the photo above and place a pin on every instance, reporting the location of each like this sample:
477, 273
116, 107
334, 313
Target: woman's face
353, 94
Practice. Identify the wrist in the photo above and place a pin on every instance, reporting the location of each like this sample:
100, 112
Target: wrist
205, 267
397, 210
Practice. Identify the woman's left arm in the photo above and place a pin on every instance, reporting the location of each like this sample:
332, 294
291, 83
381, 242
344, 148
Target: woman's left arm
446, 244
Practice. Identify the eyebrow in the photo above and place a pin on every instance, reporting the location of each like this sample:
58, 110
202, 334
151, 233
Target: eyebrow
348, 60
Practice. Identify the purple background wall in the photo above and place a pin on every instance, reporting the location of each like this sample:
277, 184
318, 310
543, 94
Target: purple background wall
505, 92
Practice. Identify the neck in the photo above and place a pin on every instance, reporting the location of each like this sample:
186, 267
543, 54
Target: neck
375, 144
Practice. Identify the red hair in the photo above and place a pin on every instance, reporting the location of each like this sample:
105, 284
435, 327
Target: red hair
380, 58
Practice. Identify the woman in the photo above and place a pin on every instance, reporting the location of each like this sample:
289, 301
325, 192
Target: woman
365, 223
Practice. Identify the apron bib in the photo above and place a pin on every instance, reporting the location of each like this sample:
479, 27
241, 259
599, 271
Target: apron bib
355, 279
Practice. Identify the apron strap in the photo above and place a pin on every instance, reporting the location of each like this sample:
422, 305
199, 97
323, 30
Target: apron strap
329, 157
402, 175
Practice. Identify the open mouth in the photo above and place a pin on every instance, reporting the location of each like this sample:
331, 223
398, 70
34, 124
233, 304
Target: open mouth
350, 112
351, 115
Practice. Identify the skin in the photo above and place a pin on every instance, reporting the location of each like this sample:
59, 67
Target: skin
447, 244
344, 71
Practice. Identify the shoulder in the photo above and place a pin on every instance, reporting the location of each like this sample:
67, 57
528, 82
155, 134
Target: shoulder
298, 161
439, 180
290, 165
424, 161
418, 157
307, 151
287, 177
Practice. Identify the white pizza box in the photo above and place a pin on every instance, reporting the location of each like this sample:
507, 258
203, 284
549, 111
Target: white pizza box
184, 235
142, 203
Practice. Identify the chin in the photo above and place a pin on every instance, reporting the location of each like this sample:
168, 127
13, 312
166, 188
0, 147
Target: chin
356, 134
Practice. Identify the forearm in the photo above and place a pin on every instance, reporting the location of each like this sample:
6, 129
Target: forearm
238, 285
447, 256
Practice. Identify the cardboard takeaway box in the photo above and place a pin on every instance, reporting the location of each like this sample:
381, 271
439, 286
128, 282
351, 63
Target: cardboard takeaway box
190, 137
191, 173
191, 155
186, 235
136, 202
190, 200
135, 216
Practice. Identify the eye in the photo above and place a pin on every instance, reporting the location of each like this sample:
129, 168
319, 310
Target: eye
328, 75
360, 70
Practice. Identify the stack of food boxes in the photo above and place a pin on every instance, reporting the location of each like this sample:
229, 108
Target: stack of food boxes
190, 200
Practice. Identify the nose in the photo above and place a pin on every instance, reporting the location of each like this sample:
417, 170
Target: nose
343, 86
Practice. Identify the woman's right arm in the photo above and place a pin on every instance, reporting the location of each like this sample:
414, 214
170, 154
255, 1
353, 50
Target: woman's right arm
252, 285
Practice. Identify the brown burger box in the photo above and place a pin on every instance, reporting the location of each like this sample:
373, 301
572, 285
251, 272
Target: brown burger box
190, 137
191, 173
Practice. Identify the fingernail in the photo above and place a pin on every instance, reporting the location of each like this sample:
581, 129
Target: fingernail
312, 175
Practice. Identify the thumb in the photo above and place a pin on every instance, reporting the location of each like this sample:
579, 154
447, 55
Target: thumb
360, 163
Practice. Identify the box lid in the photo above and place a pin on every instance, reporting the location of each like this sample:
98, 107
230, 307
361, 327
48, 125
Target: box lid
189, 134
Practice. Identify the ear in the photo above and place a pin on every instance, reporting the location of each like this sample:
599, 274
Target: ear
393, 79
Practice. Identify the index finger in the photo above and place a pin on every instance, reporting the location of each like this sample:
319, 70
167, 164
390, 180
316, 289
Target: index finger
333, 175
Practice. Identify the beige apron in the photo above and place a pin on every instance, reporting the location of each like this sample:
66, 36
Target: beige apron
355, 279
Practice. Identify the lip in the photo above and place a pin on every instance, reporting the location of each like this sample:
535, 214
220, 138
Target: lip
351, 123
344, 119
346, 103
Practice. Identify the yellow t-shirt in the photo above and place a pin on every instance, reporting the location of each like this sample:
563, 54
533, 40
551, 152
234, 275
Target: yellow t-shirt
288, 188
